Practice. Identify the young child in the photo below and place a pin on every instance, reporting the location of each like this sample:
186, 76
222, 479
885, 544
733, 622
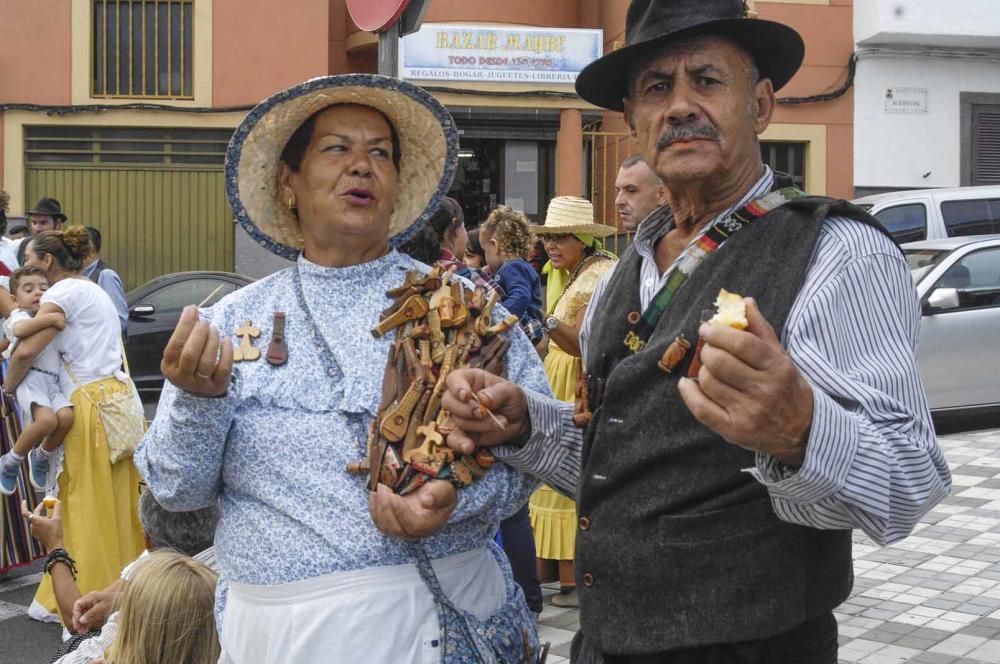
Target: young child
506, 240
47, 413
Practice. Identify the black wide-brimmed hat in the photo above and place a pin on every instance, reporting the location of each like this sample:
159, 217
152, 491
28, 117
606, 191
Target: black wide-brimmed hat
50, 207
777, 49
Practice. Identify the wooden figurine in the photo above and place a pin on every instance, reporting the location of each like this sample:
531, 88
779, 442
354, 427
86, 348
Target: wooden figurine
246, 351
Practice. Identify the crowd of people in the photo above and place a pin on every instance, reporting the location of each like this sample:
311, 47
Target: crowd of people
691, 486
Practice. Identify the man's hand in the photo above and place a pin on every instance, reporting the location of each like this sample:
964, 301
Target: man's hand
196, 360
468, 393
419, 514
47, 530
91, 611
750, 392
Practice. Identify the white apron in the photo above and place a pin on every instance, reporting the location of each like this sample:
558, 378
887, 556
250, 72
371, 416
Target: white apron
379, 614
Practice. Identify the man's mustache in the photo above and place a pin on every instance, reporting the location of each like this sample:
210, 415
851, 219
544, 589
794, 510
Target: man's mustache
686, 132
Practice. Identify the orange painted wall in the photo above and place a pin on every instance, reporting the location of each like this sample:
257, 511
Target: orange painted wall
35, 50
262, 46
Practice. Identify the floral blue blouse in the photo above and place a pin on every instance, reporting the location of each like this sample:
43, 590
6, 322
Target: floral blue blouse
274, 450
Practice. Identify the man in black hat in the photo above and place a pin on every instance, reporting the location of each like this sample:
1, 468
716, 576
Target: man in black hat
723, 468
47, 215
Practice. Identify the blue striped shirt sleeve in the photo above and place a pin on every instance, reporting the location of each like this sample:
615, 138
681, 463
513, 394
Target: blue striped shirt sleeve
872, 458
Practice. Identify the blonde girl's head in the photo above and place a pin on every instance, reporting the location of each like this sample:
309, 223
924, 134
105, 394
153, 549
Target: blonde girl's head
506, 234
166, 613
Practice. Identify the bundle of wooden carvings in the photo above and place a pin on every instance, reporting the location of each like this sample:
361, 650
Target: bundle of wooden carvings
440, 326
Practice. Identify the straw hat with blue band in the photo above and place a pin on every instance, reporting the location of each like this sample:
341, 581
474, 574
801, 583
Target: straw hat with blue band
428, 154
776, 48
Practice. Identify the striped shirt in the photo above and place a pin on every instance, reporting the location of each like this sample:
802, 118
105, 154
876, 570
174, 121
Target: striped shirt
872, 459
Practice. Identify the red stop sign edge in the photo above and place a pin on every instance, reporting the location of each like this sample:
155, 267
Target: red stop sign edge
375, 15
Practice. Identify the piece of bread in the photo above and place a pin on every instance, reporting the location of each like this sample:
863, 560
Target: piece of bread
730, 310
50, 502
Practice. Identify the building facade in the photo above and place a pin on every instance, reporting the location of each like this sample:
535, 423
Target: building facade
122, 109
927, 106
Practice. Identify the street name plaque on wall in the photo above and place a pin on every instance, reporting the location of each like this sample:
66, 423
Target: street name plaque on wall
375, 15
906, 100
489, 54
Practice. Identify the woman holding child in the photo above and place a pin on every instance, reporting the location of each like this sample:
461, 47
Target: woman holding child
99, 498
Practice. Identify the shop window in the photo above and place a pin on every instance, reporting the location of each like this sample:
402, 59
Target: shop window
786, 157
142, 48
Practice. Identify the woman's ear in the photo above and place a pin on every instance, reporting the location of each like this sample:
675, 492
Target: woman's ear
285, 191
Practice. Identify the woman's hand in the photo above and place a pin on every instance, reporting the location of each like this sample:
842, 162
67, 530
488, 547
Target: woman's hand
419, 514
91, 611
196, 359
47, 530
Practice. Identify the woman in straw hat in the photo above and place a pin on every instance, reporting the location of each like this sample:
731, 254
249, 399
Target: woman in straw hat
572, 241
332, 173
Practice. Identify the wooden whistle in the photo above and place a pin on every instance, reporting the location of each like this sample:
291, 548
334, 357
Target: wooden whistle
415, 307
695, 365
277, 351
674, 354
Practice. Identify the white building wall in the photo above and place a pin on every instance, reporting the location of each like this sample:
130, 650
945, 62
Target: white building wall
949, 23
896, 150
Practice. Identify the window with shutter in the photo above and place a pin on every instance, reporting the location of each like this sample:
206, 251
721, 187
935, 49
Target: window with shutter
985, 144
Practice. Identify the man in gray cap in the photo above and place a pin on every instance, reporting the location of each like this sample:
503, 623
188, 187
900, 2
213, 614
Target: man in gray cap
722, 468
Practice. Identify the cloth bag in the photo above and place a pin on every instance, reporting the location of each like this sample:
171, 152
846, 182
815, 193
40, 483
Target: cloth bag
121, 414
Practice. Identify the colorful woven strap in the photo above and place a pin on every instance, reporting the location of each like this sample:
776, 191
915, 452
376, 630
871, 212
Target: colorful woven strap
696, 254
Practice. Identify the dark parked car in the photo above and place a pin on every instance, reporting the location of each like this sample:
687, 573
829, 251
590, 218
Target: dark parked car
154, 309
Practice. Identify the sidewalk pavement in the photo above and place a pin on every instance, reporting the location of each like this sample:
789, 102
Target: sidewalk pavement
932, 599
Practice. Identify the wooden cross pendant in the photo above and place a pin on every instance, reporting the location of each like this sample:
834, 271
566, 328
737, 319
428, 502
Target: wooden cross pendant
246, 351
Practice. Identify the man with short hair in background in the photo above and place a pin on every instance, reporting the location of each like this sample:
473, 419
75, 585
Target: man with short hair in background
638, 191
101, 274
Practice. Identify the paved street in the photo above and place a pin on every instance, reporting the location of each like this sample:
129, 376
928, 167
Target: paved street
932, 599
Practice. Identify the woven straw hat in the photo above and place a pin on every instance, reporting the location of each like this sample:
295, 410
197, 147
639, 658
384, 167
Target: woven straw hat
428, 154
569, 214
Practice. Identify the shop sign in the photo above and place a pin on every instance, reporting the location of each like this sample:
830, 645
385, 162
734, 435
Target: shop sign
906, 100
454, 52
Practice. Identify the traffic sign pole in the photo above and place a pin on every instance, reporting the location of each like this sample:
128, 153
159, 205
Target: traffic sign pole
388, 51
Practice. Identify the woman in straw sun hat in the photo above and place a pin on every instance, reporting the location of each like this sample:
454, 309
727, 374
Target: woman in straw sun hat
572, 241
332, 173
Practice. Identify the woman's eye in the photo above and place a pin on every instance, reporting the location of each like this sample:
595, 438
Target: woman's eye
381, 153
336, 147
657, 87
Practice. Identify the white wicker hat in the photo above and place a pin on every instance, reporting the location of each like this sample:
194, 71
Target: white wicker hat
428, 154
570, 214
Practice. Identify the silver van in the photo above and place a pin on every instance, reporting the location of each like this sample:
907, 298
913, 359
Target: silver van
932, 214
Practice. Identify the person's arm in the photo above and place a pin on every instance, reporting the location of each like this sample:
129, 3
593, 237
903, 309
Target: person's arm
7, 304
181, 455
567, 335
515, 279
28, 349
29, 326
871, 459
112, 285
48, 532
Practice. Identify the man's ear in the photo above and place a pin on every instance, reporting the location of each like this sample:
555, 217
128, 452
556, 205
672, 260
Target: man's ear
764, 103
628, 117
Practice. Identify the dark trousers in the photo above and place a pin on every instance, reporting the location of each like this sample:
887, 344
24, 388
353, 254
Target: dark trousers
812, 642
519, 545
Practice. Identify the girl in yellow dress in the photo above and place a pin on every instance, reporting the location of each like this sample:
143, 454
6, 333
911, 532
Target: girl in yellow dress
571, 241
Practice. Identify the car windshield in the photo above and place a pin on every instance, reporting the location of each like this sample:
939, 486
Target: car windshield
922, 261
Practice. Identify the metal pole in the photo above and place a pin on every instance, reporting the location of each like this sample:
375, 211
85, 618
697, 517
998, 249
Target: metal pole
388, 51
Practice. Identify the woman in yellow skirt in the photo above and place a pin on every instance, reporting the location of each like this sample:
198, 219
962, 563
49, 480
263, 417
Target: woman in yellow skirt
99, 499
571, 241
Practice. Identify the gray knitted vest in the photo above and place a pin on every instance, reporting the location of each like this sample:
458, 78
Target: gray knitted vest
678, 547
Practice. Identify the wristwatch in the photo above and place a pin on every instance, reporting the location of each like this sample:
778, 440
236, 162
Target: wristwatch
551, 322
